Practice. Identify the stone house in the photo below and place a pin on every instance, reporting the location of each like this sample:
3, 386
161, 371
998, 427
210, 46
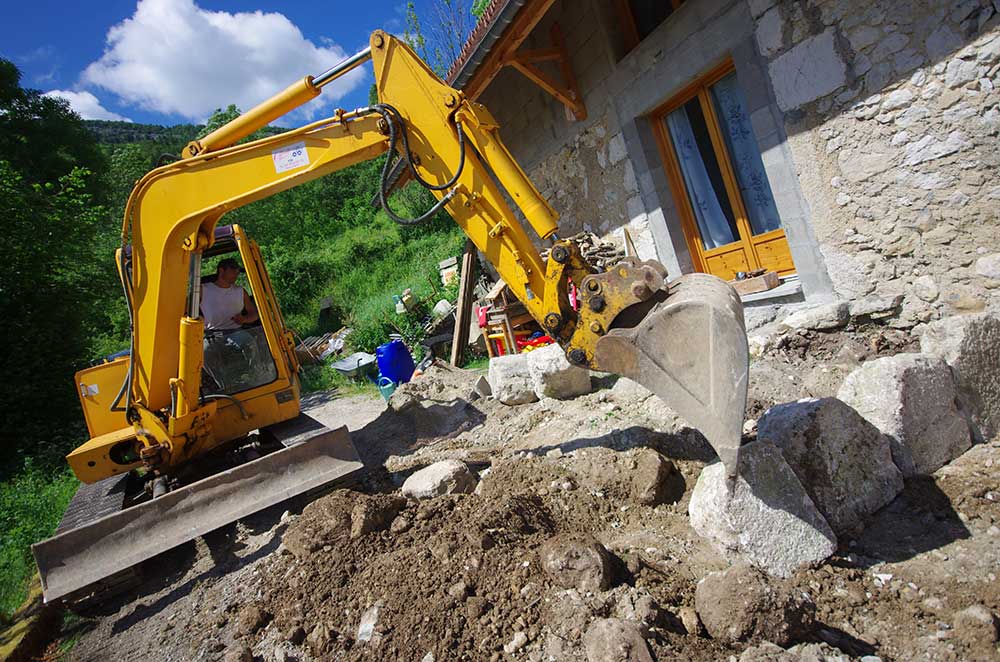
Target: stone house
850, 146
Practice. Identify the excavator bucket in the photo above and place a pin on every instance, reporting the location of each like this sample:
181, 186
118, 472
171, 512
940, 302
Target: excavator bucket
73, 563
690, 349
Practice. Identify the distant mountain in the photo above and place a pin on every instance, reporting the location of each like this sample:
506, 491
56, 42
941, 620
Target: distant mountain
115, 133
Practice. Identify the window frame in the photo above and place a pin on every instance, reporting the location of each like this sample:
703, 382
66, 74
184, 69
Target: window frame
700, 88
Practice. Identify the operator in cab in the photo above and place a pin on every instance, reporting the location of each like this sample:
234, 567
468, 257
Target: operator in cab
236, 356
223, 301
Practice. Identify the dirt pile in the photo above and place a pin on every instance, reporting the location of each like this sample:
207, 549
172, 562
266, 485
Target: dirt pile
514, 570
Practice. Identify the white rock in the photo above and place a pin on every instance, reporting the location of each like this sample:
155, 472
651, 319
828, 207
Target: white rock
517, 643
615, 640
930, 148
553, 376
825, 316
925, 288
988, 266
369, 619
445, 477
510, 379
897, 99
769, 29
768, 520
843, 461
911, 398
971, 346
876, 306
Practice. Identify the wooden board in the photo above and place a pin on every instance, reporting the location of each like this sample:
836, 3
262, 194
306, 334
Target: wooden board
761, 283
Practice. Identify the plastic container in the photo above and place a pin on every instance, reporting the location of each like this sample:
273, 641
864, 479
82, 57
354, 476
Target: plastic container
394, 361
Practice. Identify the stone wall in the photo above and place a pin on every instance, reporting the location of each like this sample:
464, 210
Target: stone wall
891, 114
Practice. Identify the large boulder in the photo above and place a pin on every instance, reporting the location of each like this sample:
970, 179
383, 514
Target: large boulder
911, 398
510, 379
445, 477
743, 604
553, 376
580, 563
768, 519
615, 640
970, 344
843, 461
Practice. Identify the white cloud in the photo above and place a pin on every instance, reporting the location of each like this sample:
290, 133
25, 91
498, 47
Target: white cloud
86, 105
174, 57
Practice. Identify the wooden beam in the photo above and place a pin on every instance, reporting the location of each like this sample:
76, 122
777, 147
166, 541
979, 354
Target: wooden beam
539, 54
463, 316
566, 68
540, 78
511, 39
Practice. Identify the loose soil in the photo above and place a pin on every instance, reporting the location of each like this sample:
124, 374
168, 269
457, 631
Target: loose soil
458, 577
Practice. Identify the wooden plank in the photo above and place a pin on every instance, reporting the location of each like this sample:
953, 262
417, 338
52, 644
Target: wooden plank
463, 317
762, 283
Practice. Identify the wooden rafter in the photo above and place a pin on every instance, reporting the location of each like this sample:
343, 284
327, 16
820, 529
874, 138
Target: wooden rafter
522, 25
566, 92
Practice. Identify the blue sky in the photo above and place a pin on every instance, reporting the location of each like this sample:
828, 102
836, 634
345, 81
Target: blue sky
174, 61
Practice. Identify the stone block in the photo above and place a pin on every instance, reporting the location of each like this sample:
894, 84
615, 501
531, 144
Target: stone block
876, 307
768, 519
970, 344
911, 398
615, 640
823, 317
510, 379
743, 604
809, 70
445, 477
580, 563
553, 376
843, 461
988, 266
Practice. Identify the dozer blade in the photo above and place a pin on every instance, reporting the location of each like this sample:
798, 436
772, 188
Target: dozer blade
82, 557
691, 351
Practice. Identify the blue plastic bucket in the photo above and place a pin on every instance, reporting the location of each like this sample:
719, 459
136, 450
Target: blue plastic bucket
394, 361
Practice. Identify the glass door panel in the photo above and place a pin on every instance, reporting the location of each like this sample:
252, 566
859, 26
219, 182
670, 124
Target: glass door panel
706, 189
745, 155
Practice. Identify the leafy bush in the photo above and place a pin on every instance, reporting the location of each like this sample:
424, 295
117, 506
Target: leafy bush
31, 505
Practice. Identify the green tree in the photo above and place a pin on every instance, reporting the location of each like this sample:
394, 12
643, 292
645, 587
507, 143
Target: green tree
479, 7
51, 283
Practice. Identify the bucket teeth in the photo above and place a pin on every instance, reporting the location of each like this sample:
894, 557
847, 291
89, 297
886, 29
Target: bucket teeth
691, 351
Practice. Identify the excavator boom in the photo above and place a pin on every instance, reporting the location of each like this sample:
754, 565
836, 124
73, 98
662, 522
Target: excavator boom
684, 340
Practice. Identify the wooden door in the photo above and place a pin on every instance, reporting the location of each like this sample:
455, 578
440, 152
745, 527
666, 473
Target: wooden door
717, 177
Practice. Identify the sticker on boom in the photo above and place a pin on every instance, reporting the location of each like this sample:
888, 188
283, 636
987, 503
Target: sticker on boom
291, 157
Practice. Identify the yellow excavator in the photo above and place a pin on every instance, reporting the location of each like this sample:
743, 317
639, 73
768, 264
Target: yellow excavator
193, 429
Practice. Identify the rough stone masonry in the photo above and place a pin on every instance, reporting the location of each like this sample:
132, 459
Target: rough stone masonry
892, 117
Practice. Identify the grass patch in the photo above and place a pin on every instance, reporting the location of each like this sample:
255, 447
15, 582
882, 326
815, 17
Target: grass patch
32, 502
478, 363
